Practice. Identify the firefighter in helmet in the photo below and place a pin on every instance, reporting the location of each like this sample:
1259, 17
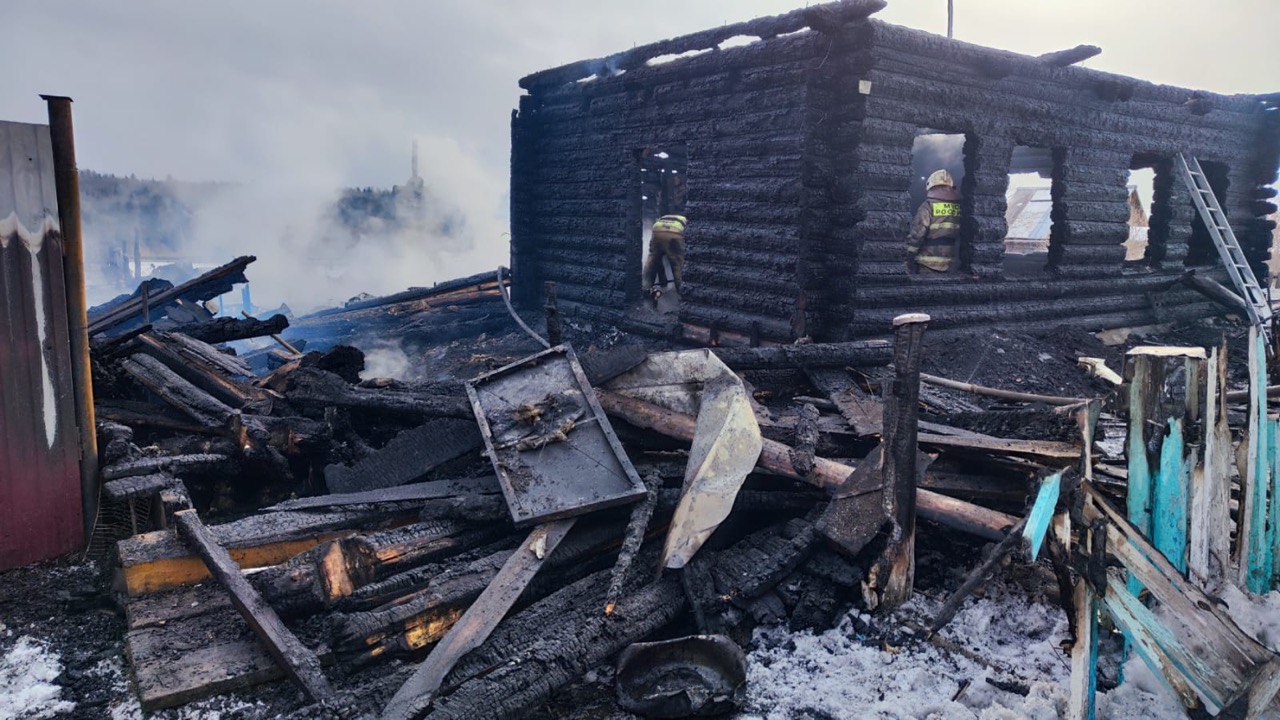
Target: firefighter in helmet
667, 241
934, 239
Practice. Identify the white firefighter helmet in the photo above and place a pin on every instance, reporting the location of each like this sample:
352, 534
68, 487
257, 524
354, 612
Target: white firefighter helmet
939, 177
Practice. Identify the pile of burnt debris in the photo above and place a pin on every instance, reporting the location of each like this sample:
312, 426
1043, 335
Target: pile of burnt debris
469, 545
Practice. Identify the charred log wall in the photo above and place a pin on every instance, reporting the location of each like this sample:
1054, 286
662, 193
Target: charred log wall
799, 164
742, 114
1096, 124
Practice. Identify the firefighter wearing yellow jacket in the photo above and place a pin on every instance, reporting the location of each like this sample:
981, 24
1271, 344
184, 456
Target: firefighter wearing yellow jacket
935, 231
667, 241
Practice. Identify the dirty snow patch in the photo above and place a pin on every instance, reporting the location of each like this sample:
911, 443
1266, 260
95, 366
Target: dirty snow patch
27, 688
845, 673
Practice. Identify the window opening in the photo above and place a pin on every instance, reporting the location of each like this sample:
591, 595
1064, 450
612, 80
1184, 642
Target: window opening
1032, 210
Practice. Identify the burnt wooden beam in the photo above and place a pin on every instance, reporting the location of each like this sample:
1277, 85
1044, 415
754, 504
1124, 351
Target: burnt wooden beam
892, 577
190, 400
827, 474
195, 369
228, 329
228, 274
864, 353
1070, 56
295, 658
197, 463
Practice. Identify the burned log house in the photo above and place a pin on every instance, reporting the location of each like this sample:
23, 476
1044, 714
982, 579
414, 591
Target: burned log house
796, 135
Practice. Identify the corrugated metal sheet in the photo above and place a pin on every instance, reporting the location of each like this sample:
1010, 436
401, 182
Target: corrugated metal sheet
40, 510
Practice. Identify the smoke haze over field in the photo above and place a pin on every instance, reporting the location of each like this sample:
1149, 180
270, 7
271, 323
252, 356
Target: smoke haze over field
293, 100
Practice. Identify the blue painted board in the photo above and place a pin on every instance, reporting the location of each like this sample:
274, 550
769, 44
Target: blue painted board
1041, 515
1170, 497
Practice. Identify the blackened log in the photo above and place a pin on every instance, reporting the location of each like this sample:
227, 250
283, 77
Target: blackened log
407, 457
323, 576
827, 474
195, 369
1070, 56
228, 329
290, 435
296, 659
137, 487
148, 415
177, 392
317, 388
859, 354
179, 465
1215, 291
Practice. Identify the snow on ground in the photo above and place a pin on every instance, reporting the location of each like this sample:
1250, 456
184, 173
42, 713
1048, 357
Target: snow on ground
28, 690
850, 672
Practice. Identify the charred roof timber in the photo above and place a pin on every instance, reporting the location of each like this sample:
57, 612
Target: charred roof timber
798, 167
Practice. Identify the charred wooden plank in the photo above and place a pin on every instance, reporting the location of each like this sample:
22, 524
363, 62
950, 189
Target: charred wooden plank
297, 659
216, 281
196, 464
176, 391
138, 486
414, 493
409, 456
194, 646
158, 560
861, 410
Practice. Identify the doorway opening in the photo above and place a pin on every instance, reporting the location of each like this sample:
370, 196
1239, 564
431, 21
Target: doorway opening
662, 193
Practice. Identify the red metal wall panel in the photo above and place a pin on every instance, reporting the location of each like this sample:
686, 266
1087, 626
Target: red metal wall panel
40, 509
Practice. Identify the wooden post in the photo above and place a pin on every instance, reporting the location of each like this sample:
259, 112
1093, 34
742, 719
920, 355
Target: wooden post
1210, 532
894, 574
555, 332
294, 658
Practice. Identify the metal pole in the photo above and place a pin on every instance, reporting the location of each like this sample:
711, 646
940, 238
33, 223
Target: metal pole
951, 16
67, 183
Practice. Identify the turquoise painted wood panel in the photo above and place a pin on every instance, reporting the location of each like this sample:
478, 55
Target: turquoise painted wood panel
1170, 496
1258, 557
1273, 526
1041, 515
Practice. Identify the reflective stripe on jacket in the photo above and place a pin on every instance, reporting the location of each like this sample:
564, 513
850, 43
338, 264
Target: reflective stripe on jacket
935, 230
674, 224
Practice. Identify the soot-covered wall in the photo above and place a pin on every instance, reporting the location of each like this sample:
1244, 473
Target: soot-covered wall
799, 151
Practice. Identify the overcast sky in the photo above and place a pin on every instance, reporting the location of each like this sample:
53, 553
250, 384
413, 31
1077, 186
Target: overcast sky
332, 93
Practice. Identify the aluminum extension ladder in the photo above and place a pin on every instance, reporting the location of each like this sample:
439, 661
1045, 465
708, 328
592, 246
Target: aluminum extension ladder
1215, 221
